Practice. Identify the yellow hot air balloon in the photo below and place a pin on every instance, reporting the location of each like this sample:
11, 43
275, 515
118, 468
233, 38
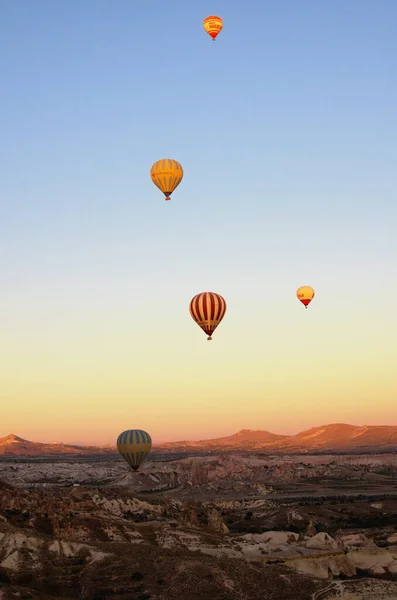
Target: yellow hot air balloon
134, 445
213, 26
167, 174
305, 294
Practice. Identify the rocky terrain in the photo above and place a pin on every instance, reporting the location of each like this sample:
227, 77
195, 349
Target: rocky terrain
291, 477
235, 526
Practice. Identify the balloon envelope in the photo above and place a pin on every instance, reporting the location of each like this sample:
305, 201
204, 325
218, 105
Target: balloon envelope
134, 445
166, 174
207, 310
305, 294
213, 26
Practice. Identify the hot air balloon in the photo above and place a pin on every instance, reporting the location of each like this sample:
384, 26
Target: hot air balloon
208, 310
213, 25
134, 445
167, 174
305, 294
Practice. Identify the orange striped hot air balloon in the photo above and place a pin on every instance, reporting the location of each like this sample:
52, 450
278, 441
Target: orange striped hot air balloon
213, 25
167, 174
305, 294
208, 310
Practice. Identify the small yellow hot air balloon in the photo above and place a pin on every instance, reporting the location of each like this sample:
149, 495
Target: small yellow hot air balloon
134, 445
167, 174
305, 294
213, 25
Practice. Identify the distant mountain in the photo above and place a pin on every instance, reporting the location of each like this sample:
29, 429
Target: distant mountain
341, 435
336, 436
246, 438
327, 437
16, 446
251, 435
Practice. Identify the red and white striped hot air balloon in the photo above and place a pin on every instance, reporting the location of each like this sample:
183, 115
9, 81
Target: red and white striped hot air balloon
207, 310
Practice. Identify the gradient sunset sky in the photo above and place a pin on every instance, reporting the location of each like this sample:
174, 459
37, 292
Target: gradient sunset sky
286, 128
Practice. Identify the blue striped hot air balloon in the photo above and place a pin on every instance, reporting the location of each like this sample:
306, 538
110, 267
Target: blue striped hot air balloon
134, 445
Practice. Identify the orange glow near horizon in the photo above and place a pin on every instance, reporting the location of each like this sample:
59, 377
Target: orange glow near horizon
85, 384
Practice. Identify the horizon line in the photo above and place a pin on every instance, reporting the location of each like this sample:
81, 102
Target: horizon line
87, 445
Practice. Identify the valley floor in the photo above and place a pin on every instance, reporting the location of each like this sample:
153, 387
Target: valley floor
241, 527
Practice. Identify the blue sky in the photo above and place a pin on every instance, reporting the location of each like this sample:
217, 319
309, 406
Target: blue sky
286, 129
